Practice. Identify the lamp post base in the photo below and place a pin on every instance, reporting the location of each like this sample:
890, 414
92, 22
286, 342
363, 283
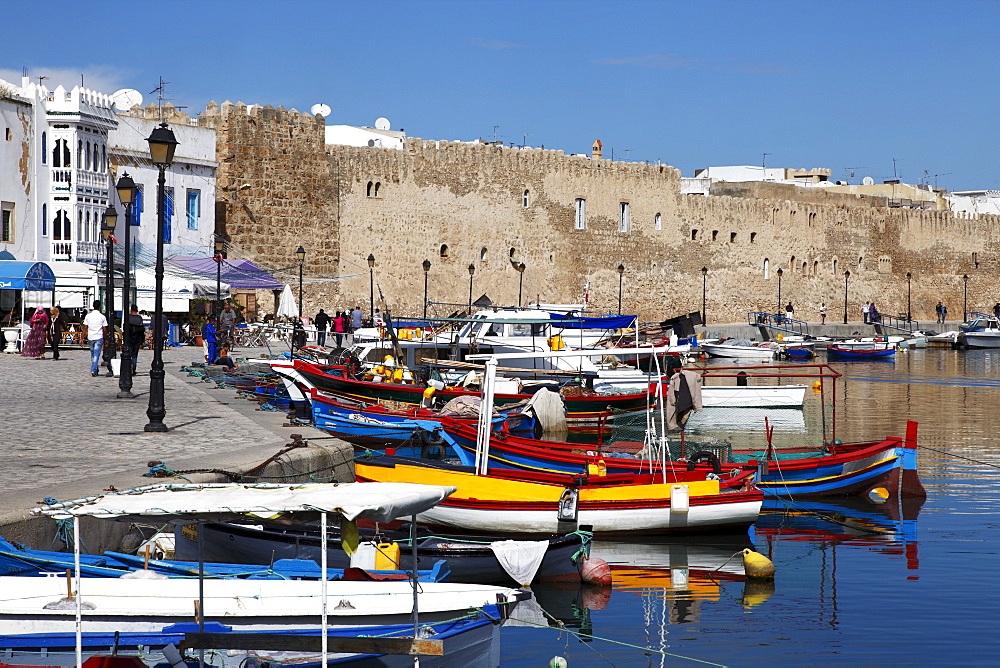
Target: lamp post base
155, 427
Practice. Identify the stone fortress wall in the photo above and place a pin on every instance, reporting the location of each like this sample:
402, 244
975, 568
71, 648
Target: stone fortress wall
344, 203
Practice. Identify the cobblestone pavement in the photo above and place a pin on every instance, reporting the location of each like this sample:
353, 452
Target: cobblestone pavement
58, 423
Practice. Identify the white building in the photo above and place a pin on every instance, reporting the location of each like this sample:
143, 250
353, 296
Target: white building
975, 201
378, 137
189, 226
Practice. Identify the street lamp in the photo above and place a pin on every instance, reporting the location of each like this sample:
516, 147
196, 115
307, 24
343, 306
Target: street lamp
779, 272
126, 195
965, 297
909, 315
426, 264
472, 271
704, 295
371, 287
218, 246
300, 253
108, 230
162, 145
621, 270
520, 282
847, 275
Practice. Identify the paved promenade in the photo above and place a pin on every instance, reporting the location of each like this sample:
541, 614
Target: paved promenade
65, 435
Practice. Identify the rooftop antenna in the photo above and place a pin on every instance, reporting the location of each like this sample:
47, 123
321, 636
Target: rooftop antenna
626, 154
895, 175
160, 99
495, 128
524, 140
24, 70
40, 80
763, 160
851, 170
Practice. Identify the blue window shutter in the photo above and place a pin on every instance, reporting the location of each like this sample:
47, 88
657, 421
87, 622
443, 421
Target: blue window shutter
193, 207
168, 214
135, 213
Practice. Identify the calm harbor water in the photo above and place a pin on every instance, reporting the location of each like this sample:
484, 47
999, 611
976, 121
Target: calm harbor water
858, 583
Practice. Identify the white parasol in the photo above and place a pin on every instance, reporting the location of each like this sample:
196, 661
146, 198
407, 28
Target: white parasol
287, 307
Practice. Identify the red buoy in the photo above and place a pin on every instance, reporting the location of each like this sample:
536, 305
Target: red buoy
595, 571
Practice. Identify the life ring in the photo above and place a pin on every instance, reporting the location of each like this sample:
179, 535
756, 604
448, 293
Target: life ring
706, 456
432, 440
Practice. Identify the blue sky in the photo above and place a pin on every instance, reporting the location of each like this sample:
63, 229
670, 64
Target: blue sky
820, 84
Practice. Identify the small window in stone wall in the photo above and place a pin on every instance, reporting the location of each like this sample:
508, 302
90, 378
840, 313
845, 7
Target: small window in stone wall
369, 189
525, 199
482, 253
732, 237
443, 252
715, 234
860, 263
805, 268
812, 218
378, 188
512, 253
753, 237
657, 222
815, 267
694, 235
791, 263
767, 269
885, 265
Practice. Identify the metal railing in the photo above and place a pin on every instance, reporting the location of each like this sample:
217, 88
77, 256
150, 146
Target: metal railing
769, 323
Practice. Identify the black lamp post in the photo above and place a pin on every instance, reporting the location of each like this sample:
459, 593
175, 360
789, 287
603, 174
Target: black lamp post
126, 195
779, 272
300, 253
704, 295
426, 264
847, 275
621, 270
218, 246
162, 144
909, 315
520, 282
965, 297
108, 230
472, 271
371, 287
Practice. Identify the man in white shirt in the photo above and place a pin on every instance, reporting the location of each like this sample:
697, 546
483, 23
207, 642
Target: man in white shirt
95, 328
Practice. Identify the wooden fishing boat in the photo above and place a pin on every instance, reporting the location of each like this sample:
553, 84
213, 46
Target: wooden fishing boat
872, 351
468, 558
738, 348
18, 560
839, 469
583, 410
523, 502
468, 641
378, 425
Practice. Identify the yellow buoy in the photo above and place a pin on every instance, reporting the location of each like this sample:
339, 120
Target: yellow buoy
757, 566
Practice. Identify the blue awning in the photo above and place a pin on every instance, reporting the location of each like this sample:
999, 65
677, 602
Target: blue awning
605, 322
16, 275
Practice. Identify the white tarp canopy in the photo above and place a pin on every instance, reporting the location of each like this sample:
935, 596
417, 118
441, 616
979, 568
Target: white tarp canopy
191, 503
178, 291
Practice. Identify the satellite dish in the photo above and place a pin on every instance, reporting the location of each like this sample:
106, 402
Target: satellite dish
320, 110
371, 143
126, 98
382, 124
868, 181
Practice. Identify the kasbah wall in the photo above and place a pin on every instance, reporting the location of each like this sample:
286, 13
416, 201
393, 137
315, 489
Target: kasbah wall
469, 198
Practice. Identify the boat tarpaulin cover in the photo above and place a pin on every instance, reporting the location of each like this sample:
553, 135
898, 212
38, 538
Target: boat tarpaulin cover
520, 558
605, 322
191, 503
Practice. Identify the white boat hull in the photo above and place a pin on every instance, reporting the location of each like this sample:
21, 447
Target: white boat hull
766, 396
985, 339
738, 352
658, 520
253, 605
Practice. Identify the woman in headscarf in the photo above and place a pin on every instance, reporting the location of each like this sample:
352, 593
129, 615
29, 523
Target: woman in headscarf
34, 345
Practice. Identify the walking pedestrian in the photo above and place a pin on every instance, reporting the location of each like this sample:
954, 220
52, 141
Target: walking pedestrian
136, 333
357, 318
873, 314
338, 328
34, 345
822, 313
866, 312
227, 320
790, 311
939, 309
322, 321
58, 324
944, 313
95, 329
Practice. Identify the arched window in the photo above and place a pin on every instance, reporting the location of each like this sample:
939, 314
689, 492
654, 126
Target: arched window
482, 253
97, 159
753, 237
859, 264
60, 225
443, 252
805, 268
732, 237
834, 267
79, 154
79, 225
791, 263
45, 151
815, 267
657, 222
767, 269
104, 158
525, 199
368, 190
694, 235
45, 219
715, 234
378, 186
86, 157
